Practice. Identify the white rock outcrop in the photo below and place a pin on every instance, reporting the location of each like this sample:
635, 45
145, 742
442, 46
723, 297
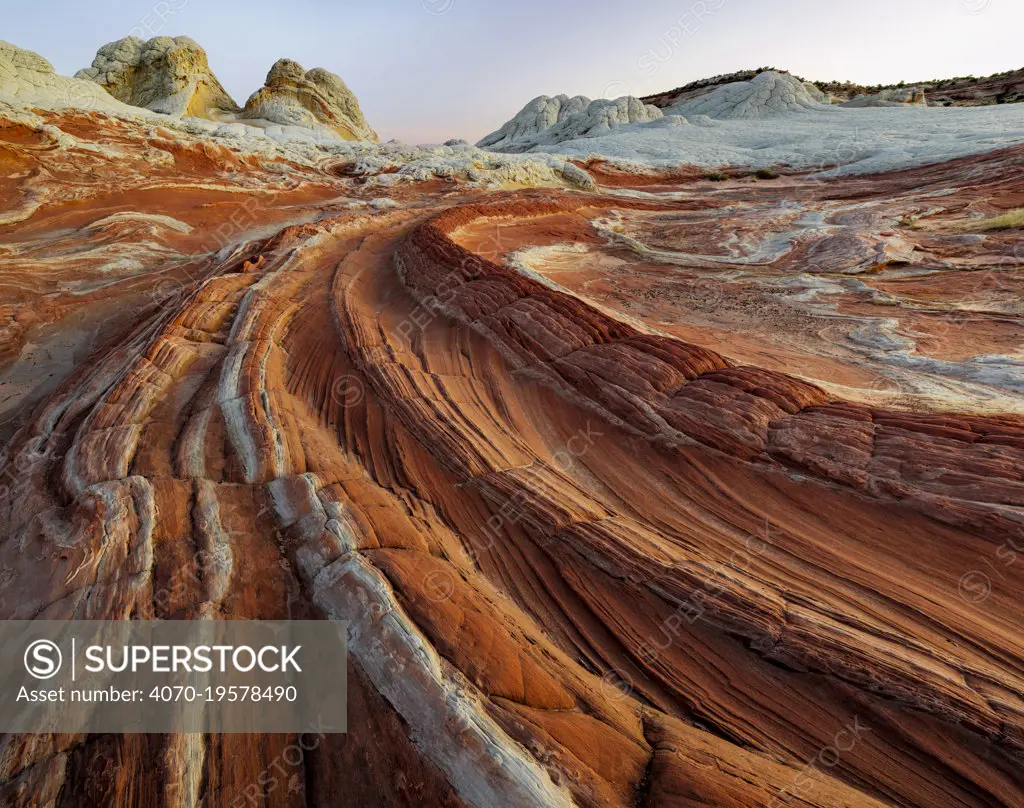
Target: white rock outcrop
163, 74
316, 99
537, 116
767, 95
894, 97
668, 122
816, 93
386, 165
27, 79
546, 121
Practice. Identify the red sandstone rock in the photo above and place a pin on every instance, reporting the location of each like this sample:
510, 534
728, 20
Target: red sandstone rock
593, 554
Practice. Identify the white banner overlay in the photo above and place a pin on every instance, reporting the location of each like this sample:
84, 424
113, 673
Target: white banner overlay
163, 676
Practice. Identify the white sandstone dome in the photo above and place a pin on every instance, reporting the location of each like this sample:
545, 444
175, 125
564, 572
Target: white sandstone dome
537, 116
547, 121
767, 95
164, 74
27, 79
315, 99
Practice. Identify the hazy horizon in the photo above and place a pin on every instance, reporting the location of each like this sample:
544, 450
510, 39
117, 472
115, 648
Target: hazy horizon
434, 69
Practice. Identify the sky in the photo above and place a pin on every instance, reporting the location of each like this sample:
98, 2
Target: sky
429, 70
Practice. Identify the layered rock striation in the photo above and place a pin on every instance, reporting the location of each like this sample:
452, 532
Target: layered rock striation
654, 492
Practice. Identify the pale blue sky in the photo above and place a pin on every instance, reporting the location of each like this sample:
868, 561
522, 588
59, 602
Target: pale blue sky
433, 69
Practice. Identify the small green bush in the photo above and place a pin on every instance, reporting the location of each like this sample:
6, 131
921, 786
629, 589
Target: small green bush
1010, 220
766, 174
716, 176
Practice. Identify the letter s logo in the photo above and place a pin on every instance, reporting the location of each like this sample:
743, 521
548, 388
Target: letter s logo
43, 659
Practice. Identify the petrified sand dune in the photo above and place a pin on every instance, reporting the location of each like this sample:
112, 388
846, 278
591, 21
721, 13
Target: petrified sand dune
549, 121
28, 78
310, 98
164, 74
603, 480
172, 76
759, 119
767, 94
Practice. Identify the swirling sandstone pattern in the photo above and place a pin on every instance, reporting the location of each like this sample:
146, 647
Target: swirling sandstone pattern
586, 561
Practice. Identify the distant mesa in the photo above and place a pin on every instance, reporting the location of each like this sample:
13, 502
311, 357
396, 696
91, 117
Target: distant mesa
313, 98
1000, 88
164, 74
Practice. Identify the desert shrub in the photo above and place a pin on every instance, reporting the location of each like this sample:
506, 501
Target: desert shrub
716, 176
1007, 221
766, 174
